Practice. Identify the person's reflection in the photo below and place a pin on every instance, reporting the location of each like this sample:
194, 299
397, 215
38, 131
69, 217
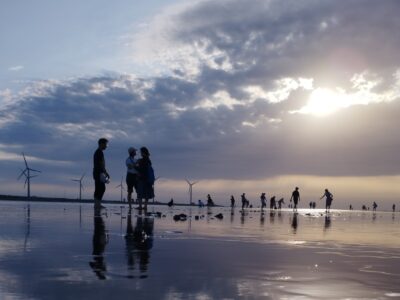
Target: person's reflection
373, 216
262, 218
100, 240
271, 217
242, 216
232, 214
294, 223
139, 241
280, 217
327, 223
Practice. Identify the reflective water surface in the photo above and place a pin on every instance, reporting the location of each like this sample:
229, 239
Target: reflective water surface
70, 251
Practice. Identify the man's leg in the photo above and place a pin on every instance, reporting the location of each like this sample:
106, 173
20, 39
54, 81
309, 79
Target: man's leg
99, 189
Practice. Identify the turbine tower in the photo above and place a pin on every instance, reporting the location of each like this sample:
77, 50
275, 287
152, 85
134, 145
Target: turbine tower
121, 186
27, 173
154, 198
80, 185
191, 184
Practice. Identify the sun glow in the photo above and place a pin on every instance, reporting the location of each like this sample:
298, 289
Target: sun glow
324, 101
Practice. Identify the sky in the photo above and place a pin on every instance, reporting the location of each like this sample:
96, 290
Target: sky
242, 96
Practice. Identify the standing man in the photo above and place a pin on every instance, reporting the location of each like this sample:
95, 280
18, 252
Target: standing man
329, 199
100, 174
232, 201
263, 201
295, 197
131, 175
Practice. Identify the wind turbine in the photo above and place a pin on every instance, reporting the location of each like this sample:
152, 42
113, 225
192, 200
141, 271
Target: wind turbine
191, 184
80, 185
154, 198
28, 176
121, 186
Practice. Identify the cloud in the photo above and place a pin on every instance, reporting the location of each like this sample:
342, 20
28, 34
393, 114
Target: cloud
233, 95
16, 68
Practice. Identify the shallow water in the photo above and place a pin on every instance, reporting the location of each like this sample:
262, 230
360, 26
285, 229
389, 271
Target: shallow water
64, 251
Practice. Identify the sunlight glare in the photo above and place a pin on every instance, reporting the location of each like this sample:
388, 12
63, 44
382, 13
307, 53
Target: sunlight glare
324, 101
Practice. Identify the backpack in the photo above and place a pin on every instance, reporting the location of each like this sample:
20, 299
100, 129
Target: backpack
150, 175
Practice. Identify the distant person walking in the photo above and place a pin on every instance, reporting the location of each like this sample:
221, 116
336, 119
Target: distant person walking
374, 206
232, 201
145, 178
263, 201
131, 174
280, 202
244, 200
210, 201
272, 203
100, 174
296, 198
329, 199
394, 207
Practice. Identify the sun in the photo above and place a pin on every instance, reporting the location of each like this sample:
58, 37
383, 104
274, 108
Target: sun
324, 101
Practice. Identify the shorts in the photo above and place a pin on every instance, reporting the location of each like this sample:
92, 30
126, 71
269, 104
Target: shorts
131, 182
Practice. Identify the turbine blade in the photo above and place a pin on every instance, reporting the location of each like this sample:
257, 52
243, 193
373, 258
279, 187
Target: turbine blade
83, 175
35, 170
187, 181
20, 175
26, 163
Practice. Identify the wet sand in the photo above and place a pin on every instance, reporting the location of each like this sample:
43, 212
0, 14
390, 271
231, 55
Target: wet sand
63, 251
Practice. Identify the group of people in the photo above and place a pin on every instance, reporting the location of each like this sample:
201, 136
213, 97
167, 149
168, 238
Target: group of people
295, 199
140, 175
140, 178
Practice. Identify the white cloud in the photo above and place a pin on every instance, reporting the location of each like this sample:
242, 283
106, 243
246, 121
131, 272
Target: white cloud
323, 101
16, 68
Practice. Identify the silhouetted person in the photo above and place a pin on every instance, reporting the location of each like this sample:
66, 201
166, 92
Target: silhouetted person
280, 202
351, 207
374, 206
329, 199
364, 207
296, 198
171, 203
201, 204
131, 174
232, 201
100, 240
210, 201
146, 178
100, 174
314, 205
272, 202
263, 201
310, 204
394, 207
244, 200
